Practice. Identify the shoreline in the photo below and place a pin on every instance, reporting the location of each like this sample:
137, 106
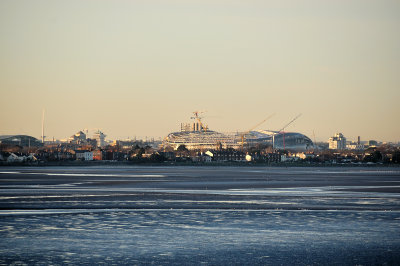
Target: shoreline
199, 164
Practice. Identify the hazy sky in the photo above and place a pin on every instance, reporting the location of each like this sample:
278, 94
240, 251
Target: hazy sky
140, 68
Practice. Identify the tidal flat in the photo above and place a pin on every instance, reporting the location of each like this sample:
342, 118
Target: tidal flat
140, 215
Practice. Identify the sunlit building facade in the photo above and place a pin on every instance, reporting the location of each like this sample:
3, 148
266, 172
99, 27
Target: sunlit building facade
337, 142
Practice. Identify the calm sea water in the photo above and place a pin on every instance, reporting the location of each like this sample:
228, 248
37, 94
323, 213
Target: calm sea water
194, 216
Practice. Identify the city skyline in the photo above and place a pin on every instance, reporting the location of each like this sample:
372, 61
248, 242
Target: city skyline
91, 133
140, 68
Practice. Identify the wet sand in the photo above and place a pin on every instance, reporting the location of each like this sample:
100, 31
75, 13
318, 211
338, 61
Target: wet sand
199, 215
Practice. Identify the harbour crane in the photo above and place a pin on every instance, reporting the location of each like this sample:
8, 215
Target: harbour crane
242, 136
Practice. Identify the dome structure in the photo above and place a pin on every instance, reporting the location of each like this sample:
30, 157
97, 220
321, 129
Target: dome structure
198, 136
200, 140
282, 140
20, 140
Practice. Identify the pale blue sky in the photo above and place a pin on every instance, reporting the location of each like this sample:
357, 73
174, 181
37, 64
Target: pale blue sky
141, 67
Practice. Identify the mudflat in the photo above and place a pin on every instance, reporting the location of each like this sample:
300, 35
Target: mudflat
200, 215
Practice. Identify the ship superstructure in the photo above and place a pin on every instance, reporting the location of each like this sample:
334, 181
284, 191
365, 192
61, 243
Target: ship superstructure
196, 135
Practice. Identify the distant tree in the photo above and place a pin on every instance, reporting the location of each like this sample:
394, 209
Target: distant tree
182, 148
140, 153
155, 157
286, 152
168, 148
396, 157
375, 156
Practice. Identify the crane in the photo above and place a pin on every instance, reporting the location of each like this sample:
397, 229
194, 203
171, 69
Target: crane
254, 127
290, 122
283, 132
198, 118
315, 142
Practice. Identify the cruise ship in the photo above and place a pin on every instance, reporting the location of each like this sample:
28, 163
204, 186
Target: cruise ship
197, 136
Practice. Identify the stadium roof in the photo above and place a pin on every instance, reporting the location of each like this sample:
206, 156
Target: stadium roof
21, 140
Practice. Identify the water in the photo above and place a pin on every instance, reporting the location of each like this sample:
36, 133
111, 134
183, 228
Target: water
195, 216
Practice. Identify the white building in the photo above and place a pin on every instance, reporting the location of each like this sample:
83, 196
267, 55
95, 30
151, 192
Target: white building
88, 155
78, 138
355, 146
99, 137
80, 155
337, 142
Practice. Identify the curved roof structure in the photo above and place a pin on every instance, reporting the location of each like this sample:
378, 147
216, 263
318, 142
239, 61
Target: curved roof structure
197, 136
282, 140
21, 140
200, 139
211, 139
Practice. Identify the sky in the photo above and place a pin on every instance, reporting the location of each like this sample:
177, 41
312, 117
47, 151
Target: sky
140, 68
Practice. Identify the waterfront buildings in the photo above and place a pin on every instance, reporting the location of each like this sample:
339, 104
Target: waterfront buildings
100, 138
355, 145
78, 138
337, 142
197, 136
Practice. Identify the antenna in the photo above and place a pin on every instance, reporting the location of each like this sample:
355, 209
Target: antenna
315, 142
43, 136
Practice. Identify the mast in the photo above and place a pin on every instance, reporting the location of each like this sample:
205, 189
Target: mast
43, 126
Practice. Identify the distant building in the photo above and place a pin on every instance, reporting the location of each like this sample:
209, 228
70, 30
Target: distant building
100, 138
79, 155
97, 155
355, 145
88, 156
227, 156
197, 136
126, 144
78, 138
20, 140
372, 143
337, 142
84, 155
281, 140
